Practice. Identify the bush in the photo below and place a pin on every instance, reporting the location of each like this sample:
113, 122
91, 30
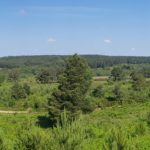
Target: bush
98, 91
27, 89
14, 75
117, 74
30, 137
43, 77
34, 139
18, 91
117, 139
67, 135
118, 93
138, 81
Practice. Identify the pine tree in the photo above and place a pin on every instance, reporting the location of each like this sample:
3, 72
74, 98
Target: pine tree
73, 86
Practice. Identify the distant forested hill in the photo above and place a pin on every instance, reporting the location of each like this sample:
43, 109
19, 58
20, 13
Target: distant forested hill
95, 61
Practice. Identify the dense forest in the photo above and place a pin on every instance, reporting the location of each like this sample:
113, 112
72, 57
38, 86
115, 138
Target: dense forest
94, 61
74, 103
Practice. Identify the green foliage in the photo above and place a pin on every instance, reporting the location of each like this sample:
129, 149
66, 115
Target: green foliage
95, 61
27, 89
14, 75
96, 130
117, 140
2, 78
67, 135
19, 91
117, 74
140, 129
138, 81
72, 89
43, 77
148, 118
118, 93
98, 91
3, 145
116, 128
32, 139
29, 137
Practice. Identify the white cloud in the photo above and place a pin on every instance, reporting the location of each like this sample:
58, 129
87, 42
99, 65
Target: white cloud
107, 41
132, 48
23, 12
51, 40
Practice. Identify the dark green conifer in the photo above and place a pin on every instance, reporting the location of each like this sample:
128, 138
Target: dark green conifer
73, 86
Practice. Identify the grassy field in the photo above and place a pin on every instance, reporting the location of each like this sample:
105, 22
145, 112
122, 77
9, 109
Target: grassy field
127, 126
115, 124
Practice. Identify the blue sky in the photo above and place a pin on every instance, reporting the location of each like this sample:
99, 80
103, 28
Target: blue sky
107, 27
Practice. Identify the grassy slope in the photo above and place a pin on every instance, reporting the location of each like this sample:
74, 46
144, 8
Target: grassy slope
128, 117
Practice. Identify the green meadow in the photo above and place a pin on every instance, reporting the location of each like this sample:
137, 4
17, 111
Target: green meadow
111, 114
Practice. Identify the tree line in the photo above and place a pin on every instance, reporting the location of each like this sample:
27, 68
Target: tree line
94, 61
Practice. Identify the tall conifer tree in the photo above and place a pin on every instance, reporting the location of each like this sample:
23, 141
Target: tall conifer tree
73, 86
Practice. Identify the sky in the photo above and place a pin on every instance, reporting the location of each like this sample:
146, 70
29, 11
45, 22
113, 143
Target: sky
52, 27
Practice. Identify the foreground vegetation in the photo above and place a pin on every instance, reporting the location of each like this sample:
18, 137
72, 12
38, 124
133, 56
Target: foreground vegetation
118, 127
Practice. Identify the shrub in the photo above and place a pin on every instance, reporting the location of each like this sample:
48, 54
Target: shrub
117, 74
44, 77
19, 91
138, 81
30, 137
98, 91
67, 135
118, 93
14, 75
33, 139
117, 139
